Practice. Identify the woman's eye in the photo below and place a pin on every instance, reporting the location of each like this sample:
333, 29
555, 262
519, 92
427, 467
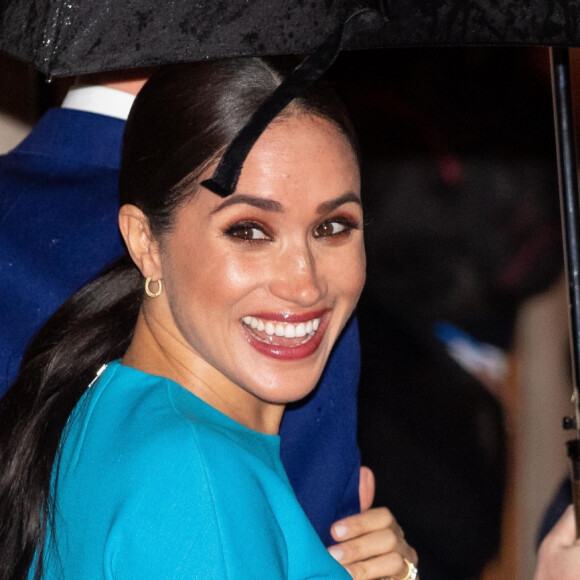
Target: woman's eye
333, 228
248, 232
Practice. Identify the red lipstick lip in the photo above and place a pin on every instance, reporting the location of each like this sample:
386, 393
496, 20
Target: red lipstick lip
281, 352
287, 317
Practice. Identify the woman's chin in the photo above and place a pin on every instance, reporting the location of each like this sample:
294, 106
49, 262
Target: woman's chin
286, 371
286, 389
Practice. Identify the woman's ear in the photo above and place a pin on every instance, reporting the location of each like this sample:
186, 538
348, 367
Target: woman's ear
142, 246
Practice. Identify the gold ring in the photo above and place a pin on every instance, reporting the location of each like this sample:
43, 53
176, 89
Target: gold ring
412, 571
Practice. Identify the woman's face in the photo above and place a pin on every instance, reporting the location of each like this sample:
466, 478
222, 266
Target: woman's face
260, 284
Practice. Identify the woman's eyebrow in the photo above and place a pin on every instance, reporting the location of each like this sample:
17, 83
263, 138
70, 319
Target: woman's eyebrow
332, 204
275, 206
259, 202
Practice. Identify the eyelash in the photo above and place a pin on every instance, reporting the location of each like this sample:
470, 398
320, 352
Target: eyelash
238, 229
348, 224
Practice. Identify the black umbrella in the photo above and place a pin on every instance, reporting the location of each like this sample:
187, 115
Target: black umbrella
70, 37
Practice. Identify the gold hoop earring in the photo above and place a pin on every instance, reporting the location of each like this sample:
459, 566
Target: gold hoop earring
157, 292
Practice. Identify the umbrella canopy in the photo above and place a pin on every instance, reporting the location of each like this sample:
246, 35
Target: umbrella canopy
66, 38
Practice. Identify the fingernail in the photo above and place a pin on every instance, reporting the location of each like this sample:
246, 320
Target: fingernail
336, 553
340, 530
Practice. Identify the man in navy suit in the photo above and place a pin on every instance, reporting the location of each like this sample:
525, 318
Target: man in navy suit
58, 229
58, 224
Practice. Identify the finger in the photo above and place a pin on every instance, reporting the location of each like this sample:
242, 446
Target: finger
372, 545
372, 520
565, 528
562, 534
365, 547
366, 488
385, 566
558, 556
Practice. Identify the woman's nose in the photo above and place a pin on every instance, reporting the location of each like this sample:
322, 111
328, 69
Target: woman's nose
297, 279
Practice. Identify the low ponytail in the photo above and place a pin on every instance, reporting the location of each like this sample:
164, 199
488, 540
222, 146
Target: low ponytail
90, 329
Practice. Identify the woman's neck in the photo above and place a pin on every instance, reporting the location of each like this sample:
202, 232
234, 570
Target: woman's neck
156, 351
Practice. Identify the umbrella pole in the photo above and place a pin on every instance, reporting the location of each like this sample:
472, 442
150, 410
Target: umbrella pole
569, 207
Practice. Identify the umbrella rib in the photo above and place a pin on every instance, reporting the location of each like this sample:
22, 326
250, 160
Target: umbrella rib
50, 36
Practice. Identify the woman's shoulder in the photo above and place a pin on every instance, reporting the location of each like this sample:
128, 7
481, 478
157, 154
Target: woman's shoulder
128, 460
131, 423
127, 416
147, 483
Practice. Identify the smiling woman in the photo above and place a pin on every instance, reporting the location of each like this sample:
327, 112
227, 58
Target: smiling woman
225, 311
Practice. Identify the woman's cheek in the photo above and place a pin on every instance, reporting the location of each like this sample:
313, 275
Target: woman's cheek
240, 272
352, 276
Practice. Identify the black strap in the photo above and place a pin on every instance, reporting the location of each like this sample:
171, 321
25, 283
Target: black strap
225, 178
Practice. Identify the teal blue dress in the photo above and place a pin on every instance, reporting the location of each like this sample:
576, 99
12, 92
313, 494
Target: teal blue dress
153, 483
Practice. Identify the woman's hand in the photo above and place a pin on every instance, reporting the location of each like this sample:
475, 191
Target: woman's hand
371, 545
559, 555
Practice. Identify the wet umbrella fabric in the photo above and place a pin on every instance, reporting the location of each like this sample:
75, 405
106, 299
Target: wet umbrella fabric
70, 37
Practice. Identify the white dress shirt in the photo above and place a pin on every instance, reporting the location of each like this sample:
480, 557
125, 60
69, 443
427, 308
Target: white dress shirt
100, 100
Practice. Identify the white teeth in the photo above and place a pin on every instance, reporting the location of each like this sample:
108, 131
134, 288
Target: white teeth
285, 329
